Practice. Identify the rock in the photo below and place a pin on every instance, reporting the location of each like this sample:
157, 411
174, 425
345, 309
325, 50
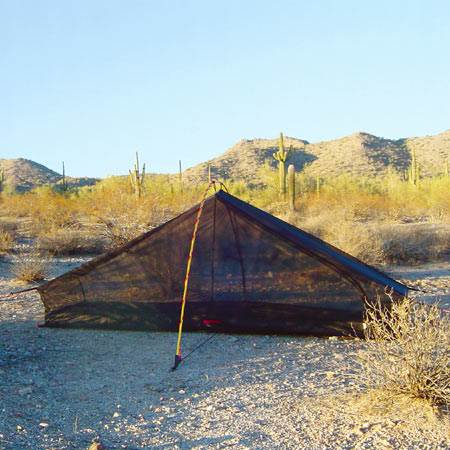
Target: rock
25, 390
96, 446
43, 424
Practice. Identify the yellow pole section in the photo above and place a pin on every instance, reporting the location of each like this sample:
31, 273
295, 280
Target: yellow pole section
188, 270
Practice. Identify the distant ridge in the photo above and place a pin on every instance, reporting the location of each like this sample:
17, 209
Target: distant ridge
356, 154
23, 175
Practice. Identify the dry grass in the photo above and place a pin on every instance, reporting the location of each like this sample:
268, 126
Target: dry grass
407, 351
6, 241
360, 215
377, 242
31, 267
67, 241
9, 224
414, 243
117, 231
339, 228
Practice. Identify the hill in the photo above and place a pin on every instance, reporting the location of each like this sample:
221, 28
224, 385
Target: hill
23, 174
357, 154
360, 154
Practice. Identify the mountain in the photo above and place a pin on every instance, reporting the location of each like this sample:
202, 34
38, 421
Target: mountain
242, 160
357, 154
23, 174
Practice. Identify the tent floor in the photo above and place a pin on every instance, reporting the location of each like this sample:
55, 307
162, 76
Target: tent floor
233, 317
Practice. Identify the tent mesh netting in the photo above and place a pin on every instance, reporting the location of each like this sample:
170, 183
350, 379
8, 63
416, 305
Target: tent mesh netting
250, 272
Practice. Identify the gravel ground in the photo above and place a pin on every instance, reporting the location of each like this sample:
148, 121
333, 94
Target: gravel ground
60, 389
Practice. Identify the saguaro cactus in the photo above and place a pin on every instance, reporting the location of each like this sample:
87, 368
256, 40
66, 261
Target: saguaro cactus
317, 186
137, 178
291, 186
2, 179
63, 180
281, 156
180, 175
413, 171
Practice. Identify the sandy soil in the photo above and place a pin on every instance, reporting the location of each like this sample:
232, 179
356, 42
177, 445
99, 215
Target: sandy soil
60, 389
432, 279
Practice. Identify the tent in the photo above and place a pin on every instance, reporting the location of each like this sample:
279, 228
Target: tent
251, 272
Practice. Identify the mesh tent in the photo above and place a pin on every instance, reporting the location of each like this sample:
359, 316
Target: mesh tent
251, 272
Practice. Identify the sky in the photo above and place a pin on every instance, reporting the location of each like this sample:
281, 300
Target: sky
90, 82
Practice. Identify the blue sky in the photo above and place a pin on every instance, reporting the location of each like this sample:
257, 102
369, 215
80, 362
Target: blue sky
92, 81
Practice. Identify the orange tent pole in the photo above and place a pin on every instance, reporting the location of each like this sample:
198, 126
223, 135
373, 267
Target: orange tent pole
188, 271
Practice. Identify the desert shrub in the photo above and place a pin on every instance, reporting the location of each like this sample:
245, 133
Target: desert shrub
342, 200
375, 242
117, 231
414, 243
358, 239
9, 225
116, 228
6, 241
407, 350
382, 198
42, 210
341, 229
67, 241
31, 267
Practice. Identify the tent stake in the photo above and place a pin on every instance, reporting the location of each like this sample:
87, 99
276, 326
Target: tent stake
178, 357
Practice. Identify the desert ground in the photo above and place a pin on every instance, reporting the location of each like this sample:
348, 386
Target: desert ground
138, 128
63, 389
